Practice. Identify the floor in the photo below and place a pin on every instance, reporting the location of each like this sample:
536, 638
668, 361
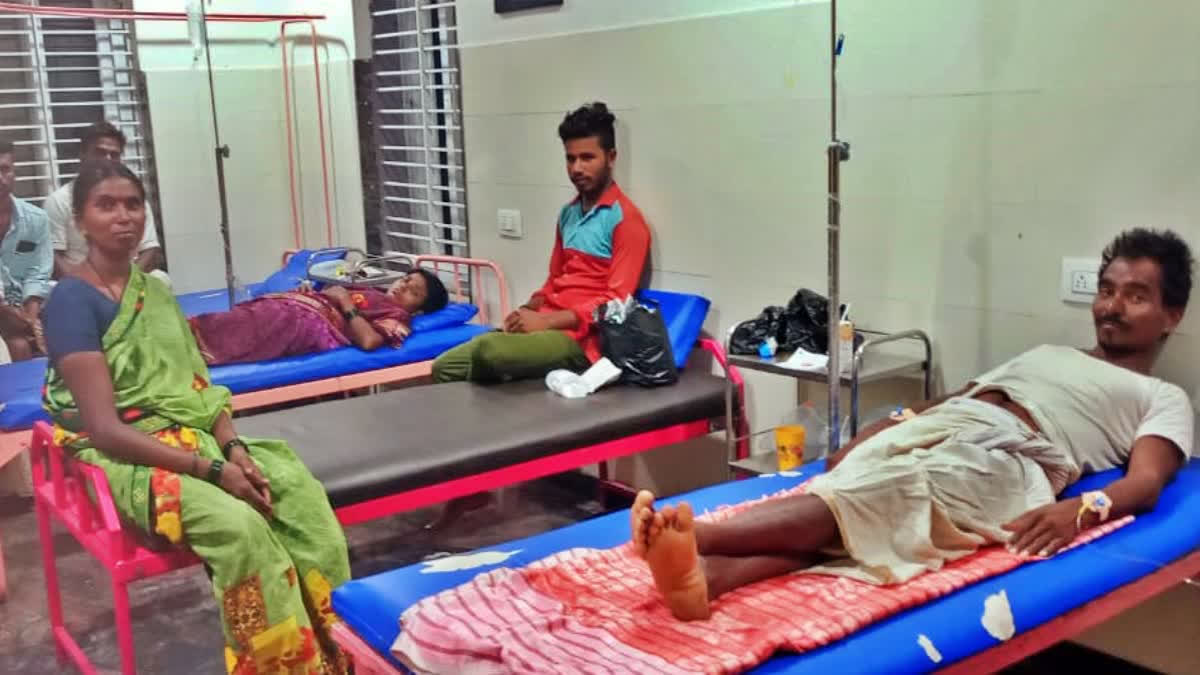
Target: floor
186, 638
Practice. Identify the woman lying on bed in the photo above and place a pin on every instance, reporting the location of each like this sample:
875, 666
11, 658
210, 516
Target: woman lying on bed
305, 322
128, 393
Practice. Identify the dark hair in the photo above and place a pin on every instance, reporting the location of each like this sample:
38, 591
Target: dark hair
95, 172
6, 147
436, 296
1164, 247
98, 130
592, 119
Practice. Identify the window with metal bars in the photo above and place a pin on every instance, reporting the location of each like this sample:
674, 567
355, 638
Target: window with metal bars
58, 76
417, 120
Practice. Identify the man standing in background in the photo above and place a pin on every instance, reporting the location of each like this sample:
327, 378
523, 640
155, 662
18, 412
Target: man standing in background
101, 140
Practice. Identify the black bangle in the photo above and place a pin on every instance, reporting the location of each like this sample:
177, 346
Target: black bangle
231, 444
350, 314
214, 472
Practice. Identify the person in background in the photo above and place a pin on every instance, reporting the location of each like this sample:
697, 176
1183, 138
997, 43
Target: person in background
26, 263
129, 393
306, 322
101, 140
599, 254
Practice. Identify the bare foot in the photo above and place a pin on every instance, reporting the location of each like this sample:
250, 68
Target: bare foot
642, 521
675, 564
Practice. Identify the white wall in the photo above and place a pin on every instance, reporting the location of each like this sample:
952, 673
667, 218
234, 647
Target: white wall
250, 108
990, 138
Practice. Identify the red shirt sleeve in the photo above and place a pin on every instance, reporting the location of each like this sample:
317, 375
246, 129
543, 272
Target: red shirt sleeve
631, 245
556, 266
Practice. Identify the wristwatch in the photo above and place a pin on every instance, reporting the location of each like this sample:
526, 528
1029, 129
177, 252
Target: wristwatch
349, 314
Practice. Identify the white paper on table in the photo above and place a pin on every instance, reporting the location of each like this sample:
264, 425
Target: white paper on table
806, 361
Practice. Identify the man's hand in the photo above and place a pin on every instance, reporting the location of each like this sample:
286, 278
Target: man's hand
14, 322
239, 456
526, 321
1046, 529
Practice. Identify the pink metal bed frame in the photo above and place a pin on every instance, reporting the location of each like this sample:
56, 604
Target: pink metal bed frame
467, 282
61, 491
367, 661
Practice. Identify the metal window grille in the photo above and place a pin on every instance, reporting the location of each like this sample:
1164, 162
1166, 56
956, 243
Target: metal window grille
59, 75
417, 118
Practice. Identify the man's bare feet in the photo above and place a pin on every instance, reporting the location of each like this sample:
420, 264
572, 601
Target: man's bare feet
643, 522
675, 563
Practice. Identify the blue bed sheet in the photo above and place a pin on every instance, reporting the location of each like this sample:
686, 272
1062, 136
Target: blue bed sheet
21, 383
1037, 592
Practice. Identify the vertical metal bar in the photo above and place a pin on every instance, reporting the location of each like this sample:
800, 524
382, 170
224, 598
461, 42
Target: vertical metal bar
221, 152
425, 127
38, 62
834, 159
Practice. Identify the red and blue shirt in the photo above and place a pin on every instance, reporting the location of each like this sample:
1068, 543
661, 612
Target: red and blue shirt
598, 256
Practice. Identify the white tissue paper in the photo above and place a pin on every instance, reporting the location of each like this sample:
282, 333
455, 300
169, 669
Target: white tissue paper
572, 385
614, 311
997, 616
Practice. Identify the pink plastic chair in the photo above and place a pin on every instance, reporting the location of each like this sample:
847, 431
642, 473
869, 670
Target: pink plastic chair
61, 487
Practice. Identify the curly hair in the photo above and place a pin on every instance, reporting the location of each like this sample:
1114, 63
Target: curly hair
592, 119
1164, 247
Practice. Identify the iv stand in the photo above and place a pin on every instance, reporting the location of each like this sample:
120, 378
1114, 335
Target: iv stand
222, 153
837, 152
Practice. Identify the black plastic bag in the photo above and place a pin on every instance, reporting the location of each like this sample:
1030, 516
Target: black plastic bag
640, 347
803, 324
750, 334
806, 323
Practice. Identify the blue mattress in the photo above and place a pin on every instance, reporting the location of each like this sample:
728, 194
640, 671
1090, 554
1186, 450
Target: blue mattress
21, 383
1037, 592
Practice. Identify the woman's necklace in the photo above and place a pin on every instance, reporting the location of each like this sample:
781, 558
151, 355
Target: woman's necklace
112, 293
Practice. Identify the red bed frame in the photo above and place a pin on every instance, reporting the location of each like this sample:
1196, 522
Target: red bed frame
61, 489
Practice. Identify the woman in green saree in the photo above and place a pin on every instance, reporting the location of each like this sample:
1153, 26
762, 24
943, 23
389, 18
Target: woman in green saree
129, 392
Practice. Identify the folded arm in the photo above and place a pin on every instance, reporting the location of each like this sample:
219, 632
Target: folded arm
360, 331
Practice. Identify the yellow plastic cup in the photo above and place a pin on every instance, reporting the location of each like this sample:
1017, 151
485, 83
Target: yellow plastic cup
789, 446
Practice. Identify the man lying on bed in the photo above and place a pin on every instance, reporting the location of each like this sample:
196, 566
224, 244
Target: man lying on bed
306, 322
978, 467
599, 254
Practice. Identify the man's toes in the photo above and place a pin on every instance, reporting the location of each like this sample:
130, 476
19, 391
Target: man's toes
684, 517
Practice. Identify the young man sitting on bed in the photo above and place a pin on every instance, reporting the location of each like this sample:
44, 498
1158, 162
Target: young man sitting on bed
599, 253
980, 466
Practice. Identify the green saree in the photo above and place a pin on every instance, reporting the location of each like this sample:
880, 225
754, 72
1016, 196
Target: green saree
272, 578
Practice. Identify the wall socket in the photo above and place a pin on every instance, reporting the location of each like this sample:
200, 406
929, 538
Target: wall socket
508, 222
1080, 280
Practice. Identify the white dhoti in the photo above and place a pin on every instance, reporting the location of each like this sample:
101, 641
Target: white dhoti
936, 488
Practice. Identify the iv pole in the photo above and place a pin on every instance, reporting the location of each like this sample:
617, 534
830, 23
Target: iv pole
837, 152
222, 153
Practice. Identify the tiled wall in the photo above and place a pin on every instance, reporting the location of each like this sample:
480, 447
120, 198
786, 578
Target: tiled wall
990, 139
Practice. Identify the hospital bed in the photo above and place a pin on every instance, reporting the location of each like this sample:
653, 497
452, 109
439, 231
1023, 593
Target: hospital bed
404, 449
1051, 600
282, 380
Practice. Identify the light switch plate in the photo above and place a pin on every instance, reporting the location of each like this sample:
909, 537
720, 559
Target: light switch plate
1079, 281
508, 222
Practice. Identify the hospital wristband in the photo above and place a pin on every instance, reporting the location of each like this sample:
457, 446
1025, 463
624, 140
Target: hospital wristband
1093, 502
